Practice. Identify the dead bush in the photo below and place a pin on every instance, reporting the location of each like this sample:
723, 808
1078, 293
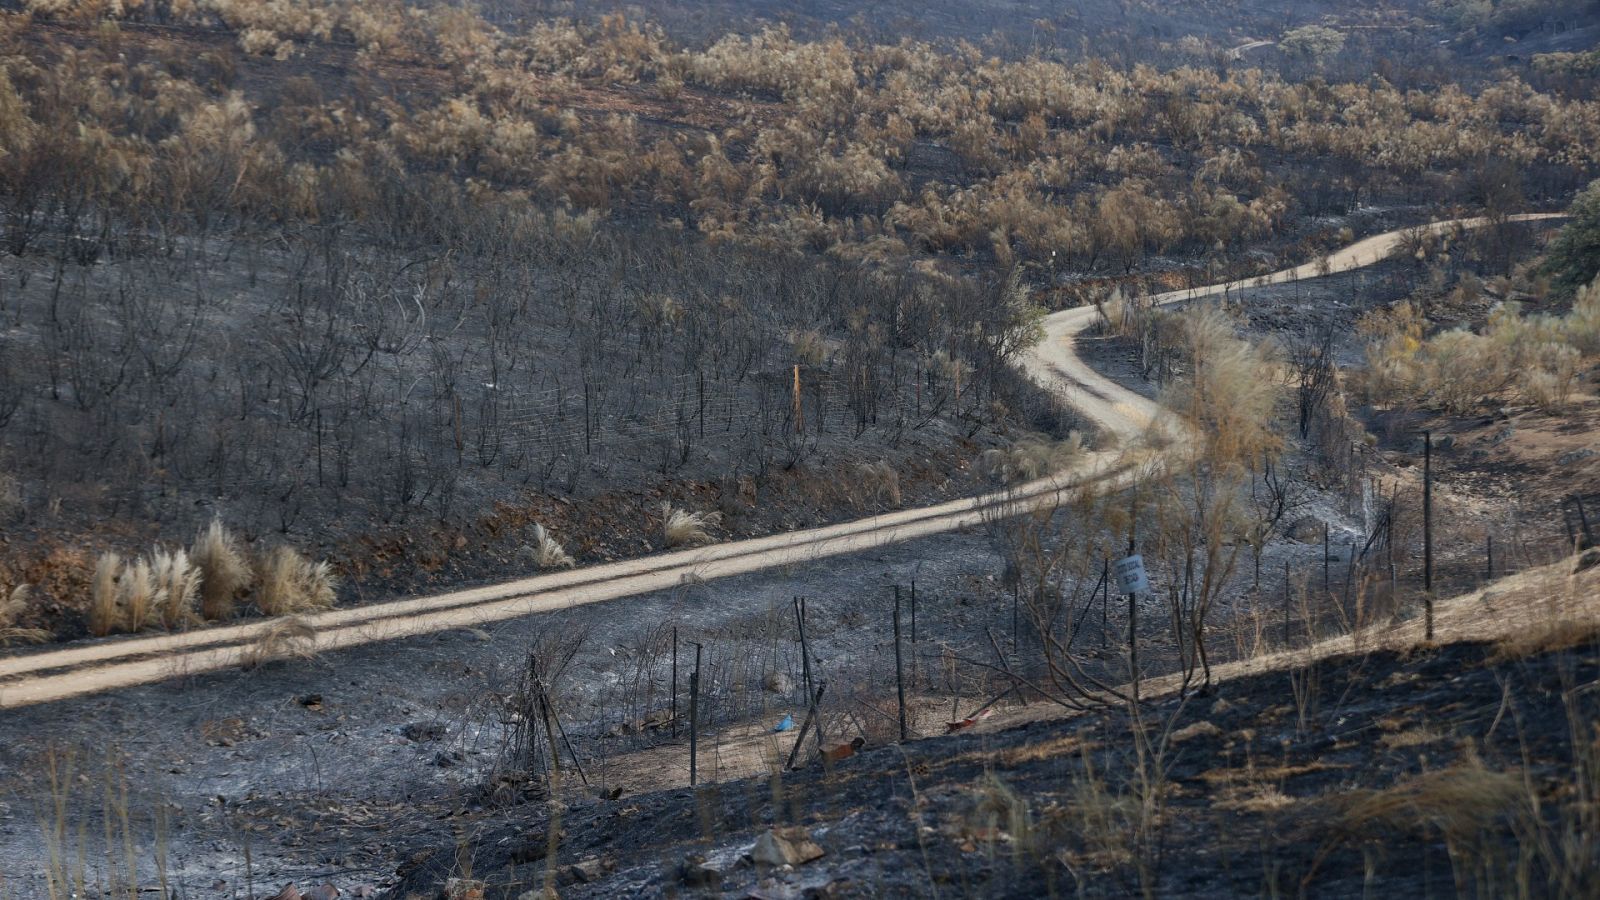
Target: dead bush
104, 614
681, 527
292, 584
548, 552
224, 570
1031, 457
139, 595
177, 584
13, 604
877, 482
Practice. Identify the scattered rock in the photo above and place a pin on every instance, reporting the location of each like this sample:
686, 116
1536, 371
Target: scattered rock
790, 846
422, 731
587, 871
312, 702
777, 683
449, 759
1221, 706
1574, 456
695, 873
322, 892
1307, 530
1501, 436
1195, 730
1588, 559
289, 892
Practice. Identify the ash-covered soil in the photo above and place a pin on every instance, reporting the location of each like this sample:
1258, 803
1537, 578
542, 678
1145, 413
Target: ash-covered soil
339, 768
1413, 774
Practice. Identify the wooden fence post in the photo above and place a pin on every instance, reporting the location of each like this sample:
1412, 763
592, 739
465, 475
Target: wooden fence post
899, 669
694, 719
1427, 531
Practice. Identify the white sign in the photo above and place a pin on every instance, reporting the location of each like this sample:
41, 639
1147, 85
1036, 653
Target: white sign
1131, 577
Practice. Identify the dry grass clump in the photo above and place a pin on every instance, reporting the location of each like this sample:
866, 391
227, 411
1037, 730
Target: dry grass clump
1031, 457
104, 613
292, 584
877, 482
1548, 636
177, 583
224, 570
132, 595
1536, 358
1461, 802
178, 588
138, 595
681, 527
548, 552
13, 603
1230, 392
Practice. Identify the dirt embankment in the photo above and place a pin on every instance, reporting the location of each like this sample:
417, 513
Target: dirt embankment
1359, 773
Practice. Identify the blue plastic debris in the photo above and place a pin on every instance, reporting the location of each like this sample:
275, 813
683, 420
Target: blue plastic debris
786, 725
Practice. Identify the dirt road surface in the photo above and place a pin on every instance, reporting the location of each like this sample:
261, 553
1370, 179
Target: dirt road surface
1121, 414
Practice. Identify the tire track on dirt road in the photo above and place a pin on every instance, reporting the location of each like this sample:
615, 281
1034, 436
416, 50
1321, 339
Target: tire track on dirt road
1118, 412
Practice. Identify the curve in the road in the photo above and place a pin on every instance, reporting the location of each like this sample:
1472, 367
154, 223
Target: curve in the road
1054, 364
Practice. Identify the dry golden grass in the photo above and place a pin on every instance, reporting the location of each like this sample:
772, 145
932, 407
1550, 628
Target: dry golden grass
1030, 458
13, 603
876, 482
177, 587
138, 595
1561, 634
105, 615
1266, 774
1060, 746
1533, 610
224, 570
680, 527
292, 584
1410, 737
548, 552
1530, 608
1461, 801
1259, 798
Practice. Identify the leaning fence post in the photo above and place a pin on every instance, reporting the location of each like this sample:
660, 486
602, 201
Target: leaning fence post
805, 649
800, 736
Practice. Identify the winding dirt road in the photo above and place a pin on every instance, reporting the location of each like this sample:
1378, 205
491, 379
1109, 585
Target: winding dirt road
106, 665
